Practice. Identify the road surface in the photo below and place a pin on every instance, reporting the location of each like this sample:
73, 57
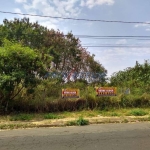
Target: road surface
131, 136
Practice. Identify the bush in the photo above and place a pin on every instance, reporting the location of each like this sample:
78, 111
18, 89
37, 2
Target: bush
80, 122
52, 116
138, 112
22, 117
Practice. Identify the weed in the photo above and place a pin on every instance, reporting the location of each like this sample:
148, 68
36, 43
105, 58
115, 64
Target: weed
52, 116
125, 121
22, 117
71, 123
114, 114
80, 122
91, 115
137, 112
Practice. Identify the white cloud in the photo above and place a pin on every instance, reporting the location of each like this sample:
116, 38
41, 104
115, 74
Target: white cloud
146, 26
49, 25
121, 58
57, 8
92, 3
21, 1
17, 10
54, 8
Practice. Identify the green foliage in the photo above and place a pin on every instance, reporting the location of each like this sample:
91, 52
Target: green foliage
18, 68
136, 78
71, 123
66, 50
137, 112
114, 114
79, 122
23, 65
52, 116
21, 117
22, 30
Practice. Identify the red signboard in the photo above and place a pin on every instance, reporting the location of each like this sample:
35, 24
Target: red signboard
70, 93
106, 91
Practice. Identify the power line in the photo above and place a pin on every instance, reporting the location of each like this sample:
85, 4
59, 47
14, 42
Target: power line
115, 46
93, 20
112, 36
90, 36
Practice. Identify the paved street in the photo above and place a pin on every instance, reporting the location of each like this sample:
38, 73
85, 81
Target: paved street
134, 136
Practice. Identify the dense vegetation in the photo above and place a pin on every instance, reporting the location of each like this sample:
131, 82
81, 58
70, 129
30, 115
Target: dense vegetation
31, 56
136, 78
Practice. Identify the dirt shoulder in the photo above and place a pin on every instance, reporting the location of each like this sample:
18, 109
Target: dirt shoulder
64, 122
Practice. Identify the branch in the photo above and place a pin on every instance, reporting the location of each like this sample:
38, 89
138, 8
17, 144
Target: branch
17, 93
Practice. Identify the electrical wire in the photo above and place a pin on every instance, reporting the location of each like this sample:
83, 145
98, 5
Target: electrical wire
78, 19
115, 46
89, 36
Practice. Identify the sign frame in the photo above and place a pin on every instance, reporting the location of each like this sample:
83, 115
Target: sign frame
70, 93
106, 91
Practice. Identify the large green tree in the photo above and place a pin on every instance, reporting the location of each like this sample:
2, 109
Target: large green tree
19, 67
66, 50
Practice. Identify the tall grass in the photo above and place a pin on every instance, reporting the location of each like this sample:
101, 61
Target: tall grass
47, 99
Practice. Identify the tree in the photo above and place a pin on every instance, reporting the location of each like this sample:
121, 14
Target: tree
135, 77
66, 50
19, 67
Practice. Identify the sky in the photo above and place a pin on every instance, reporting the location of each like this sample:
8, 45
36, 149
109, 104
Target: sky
114, 53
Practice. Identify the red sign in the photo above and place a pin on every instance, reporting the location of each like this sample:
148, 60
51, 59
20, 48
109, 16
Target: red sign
70, 93
106, 91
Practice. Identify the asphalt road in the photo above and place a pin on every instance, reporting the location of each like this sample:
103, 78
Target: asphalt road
131, 136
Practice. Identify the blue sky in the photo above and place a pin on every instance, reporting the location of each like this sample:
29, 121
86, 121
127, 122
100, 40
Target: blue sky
112, 58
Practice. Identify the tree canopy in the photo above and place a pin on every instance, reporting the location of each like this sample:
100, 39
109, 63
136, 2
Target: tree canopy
137, 76
19, 67
66, 50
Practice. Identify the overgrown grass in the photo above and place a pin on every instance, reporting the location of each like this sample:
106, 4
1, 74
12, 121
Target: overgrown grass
80, 122
45, 101
21, 117
137, 112
52, 116
77, 114
113, 114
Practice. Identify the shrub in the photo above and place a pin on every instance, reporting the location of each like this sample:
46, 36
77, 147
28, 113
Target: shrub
52, 116
22, 117
80, 122
138, 112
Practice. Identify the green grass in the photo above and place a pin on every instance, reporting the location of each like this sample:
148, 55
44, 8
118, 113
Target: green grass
137, 112
77, 114
21, 117
114, 114
52, 116
71, 123
80, 122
